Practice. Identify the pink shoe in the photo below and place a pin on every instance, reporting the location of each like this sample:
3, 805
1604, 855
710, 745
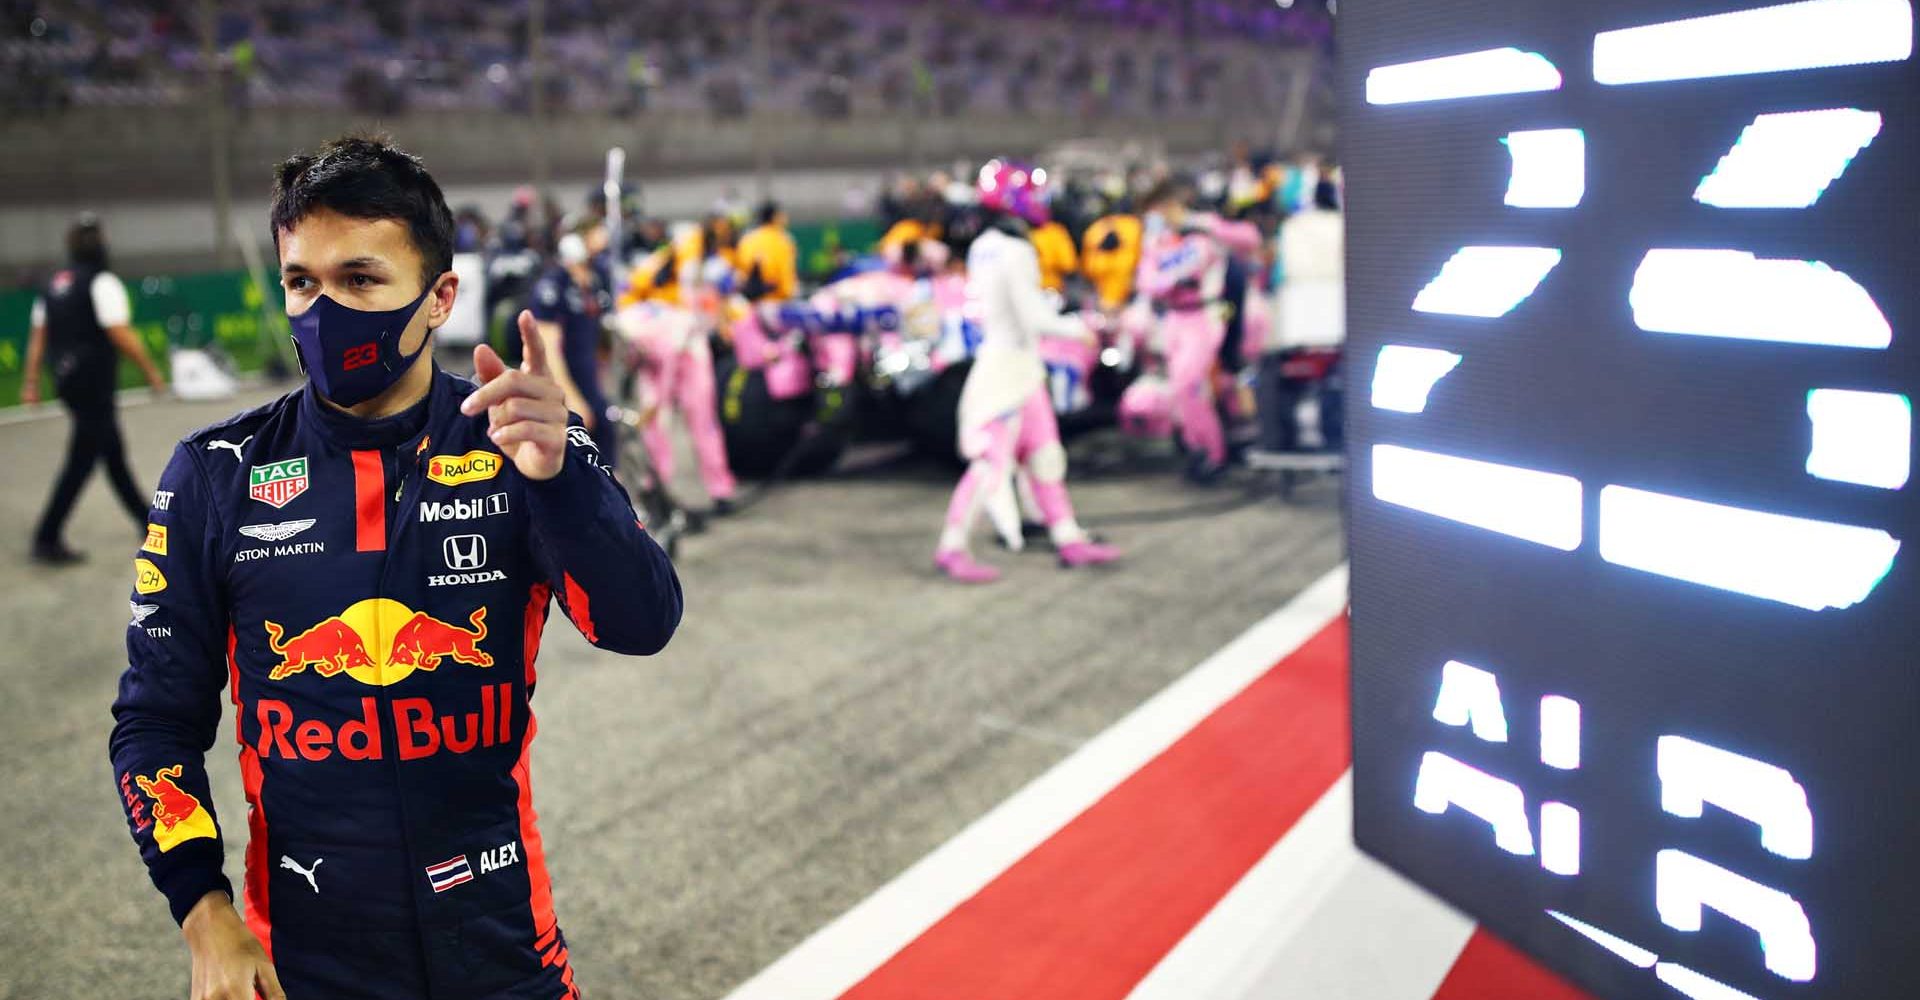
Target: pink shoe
959, 566
1086, 553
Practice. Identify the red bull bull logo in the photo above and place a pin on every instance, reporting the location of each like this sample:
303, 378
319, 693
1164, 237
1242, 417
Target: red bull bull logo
177, 815
425, 640
329, 647
378, 641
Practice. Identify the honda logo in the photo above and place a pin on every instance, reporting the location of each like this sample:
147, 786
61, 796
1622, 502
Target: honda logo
464, 551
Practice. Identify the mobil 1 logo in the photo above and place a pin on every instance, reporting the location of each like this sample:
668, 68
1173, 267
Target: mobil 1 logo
462, 509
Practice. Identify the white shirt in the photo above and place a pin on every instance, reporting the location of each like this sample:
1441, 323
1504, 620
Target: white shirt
1311, 306
1003, 291
111, 307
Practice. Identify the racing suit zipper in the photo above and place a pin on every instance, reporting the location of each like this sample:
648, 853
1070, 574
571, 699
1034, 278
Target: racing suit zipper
396, 524
407, 458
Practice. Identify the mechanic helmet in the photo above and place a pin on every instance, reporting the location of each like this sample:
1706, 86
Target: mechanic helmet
1015, 188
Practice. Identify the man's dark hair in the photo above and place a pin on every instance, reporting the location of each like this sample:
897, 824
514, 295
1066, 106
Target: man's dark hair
712, 240
367, 177
86, 244
1326, 195
769, 211
962, 229
1175, 188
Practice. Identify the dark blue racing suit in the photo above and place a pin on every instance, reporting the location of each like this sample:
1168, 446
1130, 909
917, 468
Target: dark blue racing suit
370, 595
558, 299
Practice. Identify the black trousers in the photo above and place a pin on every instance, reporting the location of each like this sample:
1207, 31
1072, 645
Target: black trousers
96, 438
1279, 397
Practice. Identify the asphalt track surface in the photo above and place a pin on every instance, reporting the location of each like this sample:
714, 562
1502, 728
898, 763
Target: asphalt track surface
830, 711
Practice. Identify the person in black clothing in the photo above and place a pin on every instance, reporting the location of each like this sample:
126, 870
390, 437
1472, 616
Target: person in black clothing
80, 327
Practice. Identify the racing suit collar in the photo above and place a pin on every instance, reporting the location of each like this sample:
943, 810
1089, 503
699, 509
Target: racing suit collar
385, 432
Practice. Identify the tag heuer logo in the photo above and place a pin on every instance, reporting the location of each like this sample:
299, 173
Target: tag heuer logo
472, 467
277, 483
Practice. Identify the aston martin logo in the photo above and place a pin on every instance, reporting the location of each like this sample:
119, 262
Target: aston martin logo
276, 532
141, 612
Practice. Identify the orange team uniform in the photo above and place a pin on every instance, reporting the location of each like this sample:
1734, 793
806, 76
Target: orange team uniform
653, 280
657, 277
1110, 254
905, 232
769, 251
1054, 245
690, 250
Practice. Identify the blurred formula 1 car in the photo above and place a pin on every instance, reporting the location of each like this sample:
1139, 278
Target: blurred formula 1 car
920, 363
880, 354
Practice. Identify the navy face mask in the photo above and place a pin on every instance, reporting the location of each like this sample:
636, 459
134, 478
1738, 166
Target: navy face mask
352, 355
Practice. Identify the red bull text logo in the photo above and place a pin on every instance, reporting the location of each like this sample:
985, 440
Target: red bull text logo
378, 641
419, 729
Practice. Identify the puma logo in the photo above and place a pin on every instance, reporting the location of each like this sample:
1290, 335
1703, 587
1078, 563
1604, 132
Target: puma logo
217, 445
292, 865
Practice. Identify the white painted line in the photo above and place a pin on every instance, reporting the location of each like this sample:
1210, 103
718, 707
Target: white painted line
1316, 918
125, 398
1375, 937
52, 408
1227, 950
839, 955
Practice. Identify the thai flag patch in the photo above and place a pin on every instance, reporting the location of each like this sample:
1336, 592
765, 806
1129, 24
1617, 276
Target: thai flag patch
449, 873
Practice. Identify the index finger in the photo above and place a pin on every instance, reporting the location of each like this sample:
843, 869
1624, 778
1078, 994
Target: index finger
533, 347
513, 383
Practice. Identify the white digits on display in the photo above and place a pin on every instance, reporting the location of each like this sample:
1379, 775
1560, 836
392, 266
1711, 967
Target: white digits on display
1683, 884
1445, 782
1782, 160
1470, 698
1692, 774
1560, 838
1723, 299
1560, 732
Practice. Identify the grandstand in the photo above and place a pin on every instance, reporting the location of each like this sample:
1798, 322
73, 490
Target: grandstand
831, 59
211, 93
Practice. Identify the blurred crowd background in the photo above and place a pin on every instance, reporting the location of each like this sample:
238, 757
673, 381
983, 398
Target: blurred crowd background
166, 114
162, 118
825, 58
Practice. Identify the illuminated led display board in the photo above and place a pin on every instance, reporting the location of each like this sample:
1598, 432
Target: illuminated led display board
1634, 315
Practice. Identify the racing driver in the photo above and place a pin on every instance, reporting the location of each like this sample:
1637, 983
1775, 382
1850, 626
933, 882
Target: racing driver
364, 567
